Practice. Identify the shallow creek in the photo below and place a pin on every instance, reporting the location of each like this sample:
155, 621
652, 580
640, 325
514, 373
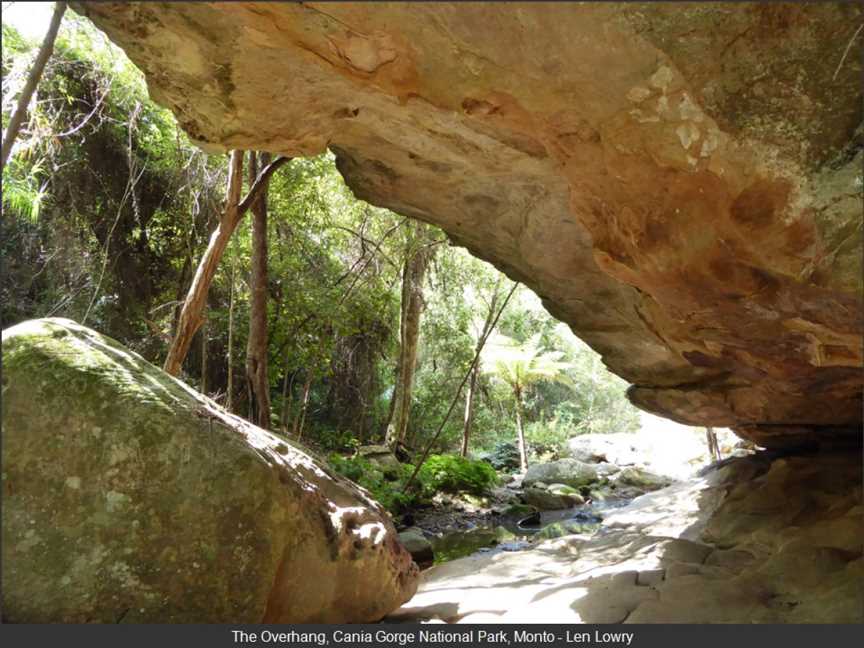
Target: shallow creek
509, 533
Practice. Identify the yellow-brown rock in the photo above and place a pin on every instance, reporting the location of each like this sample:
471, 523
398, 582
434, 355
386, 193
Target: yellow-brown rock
680, 183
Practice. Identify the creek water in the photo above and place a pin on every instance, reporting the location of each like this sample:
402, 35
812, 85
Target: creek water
506, 533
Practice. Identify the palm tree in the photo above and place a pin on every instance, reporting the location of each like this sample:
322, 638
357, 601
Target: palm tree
520, 366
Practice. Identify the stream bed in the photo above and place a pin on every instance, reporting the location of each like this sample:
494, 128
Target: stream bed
508, 533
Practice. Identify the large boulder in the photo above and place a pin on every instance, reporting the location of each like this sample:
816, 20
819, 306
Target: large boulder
621, 449
382, 458
418, 545
127, 496
641, 479
571, 472
678, 182
660, 446
547, 501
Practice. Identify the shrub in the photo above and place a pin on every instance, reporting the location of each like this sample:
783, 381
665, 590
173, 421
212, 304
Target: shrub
454, 474
503, 456
366, 474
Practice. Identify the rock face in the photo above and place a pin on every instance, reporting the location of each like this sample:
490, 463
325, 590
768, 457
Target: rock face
129, 497
680, 183
569, 472
754, 541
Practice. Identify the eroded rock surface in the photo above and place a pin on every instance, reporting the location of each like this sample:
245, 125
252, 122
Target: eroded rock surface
756, 540
680, 183
127, 496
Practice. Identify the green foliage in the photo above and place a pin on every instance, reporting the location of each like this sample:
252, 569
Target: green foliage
503, 456
364, 473
354, 468
440, 473
454, 474
522, 365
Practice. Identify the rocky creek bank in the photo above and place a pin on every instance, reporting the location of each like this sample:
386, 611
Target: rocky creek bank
757, 539
554, 498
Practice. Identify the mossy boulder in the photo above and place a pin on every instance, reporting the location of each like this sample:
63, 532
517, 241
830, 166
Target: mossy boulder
641, 479
546, 501
382, 458
571, 472
130, 497
519, 510
569, 491
565, 528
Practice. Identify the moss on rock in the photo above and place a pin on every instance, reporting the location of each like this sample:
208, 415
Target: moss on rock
130, 497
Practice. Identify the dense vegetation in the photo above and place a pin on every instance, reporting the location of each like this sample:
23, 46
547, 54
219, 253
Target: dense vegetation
108, 207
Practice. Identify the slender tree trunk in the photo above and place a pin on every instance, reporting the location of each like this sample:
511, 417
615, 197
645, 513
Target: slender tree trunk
413, 274
287, 398
256, 349
193, 307
393, 398
230, 400
45, 51
204, 356
190, 315
419, 463
469, 410
472, 385
301, 416
713, 445
520, 431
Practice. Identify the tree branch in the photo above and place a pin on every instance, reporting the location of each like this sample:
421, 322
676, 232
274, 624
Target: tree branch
260, 183
35, 75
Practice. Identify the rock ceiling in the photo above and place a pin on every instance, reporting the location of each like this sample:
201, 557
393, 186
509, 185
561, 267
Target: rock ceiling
681, 184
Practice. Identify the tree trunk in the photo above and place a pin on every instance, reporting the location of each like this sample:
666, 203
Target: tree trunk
287, 398
190, 315
301, 416
256, 349
469, 409
713, 445
413, 274
392, 407
229, 404
193, 307
204, 356
472, 385
520, 431
45, 51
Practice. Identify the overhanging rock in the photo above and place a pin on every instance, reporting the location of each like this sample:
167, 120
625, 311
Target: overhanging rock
681, 183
